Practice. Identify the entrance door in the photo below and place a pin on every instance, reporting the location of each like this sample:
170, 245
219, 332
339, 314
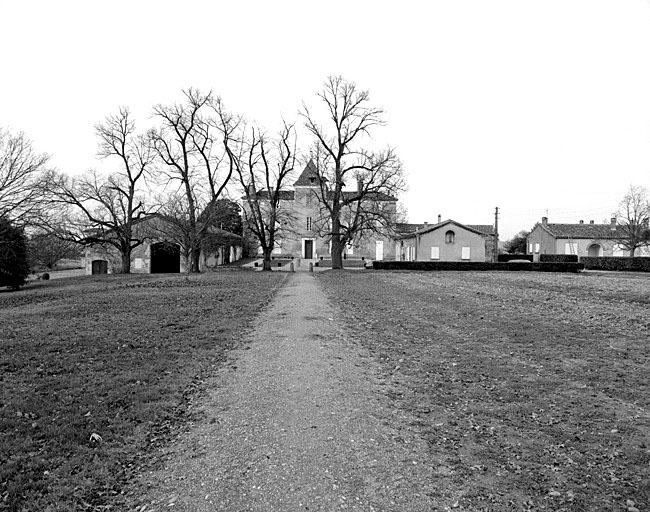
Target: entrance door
99, 267
379, 250
309, 249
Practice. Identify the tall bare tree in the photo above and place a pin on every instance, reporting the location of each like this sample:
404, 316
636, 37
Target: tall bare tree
102, 209
633, 220
263, 167
189, 144
341, 159
22, 170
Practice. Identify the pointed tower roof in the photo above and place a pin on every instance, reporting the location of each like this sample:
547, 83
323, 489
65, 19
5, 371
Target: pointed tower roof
309, 177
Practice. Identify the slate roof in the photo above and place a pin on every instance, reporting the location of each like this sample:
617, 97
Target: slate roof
589, 231
285, 195
375, 196
309, 176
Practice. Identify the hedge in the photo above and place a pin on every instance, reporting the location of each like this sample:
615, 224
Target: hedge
543, 258
636, 264
504, 258
558, 258
476, 265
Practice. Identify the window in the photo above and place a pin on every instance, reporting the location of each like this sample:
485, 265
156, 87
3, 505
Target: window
465, 253
138, 263
536, 247
435, 253
450, 237
530, 247
308, 223
570, 248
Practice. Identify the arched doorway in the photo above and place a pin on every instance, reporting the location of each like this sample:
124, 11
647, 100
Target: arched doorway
165, 258
594, 251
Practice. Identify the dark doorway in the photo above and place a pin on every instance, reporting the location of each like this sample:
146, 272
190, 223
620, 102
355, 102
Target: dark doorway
99, 267
165, 258
309, 249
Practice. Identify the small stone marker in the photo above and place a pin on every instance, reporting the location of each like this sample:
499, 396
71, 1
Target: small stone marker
311, 266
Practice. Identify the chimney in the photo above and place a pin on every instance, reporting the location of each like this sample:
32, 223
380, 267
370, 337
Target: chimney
439, 218
582, 222
591, 222
544, 221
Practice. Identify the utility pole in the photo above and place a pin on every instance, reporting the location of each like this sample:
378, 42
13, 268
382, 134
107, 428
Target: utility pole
496, 234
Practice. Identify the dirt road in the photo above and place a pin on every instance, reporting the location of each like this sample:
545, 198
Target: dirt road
297, 421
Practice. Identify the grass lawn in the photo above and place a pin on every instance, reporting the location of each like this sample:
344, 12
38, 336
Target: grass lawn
532, 390
96, 372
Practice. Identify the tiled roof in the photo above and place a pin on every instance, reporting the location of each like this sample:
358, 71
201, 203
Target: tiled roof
595, 231
309, 176
481, 229
405, 228
486, 229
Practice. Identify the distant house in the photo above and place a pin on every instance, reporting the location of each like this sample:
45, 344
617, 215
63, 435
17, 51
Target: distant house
582, 239
447, 241
157, 255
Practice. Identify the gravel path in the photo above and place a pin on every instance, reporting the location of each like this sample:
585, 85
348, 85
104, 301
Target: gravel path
297, 421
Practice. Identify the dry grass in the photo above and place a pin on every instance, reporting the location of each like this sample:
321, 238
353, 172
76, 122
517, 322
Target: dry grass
96, 372
532, 390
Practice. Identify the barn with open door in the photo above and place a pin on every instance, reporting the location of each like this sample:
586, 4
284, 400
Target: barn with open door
165, 258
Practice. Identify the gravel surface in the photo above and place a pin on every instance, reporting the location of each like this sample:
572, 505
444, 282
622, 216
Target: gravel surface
298, 420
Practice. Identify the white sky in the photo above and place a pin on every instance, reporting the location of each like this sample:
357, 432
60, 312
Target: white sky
525, 105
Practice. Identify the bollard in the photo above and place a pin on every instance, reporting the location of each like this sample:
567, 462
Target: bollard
291, 267
311, 266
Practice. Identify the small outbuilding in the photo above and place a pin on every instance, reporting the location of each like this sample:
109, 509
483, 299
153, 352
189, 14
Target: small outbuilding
448, 241
581, 239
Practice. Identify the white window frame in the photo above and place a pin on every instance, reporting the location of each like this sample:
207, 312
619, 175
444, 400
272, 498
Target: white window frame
465, 253
435, 253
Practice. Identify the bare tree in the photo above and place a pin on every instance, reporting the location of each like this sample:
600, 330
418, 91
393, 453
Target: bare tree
46, 250
263, 167
21, 177
104, 210
633, 219
340, 159
189, 145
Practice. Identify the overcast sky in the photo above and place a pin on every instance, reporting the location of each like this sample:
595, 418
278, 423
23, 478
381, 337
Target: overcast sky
531, 106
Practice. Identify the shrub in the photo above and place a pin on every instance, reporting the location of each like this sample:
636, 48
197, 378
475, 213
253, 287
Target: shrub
477, 265
616, 263
14, 268
558, 258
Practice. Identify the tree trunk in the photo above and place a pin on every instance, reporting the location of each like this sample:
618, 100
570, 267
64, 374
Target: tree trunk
196, 257
266, 265
337, 250
126, 261
632, 251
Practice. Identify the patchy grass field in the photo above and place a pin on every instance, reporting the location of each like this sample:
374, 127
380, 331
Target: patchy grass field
95, 372
532, 390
